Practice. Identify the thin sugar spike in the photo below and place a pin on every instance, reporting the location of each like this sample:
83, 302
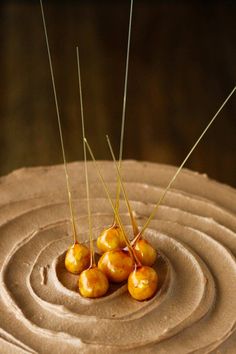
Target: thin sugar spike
181, 166
125, 84
92, 257
124, 103
127, 241
60, 129
133, 221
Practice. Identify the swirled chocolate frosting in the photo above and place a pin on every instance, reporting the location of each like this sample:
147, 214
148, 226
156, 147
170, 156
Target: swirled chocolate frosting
194, 232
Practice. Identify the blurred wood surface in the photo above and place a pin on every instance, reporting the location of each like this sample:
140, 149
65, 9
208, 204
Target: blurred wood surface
182, 67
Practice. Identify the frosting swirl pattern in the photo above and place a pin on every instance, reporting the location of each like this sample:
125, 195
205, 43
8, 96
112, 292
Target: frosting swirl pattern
194, 232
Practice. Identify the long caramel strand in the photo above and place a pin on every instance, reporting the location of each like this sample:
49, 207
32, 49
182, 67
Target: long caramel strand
60, 129
181, 166
92, 257
133, 221
124, 104
128, 244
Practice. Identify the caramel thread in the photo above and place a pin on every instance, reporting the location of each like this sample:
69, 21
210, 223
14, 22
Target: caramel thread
72, 217
124, 105
92, 257
181, 166
133, 221
128, 244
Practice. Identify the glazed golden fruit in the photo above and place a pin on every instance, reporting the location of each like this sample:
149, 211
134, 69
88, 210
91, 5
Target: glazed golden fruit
142, 283
77, 258
111, 239
93, 283
145, 252
117, 265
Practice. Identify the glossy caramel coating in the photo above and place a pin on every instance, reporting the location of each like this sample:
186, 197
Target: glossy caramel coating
77, 258
142, 283
111, 239
93, 283
145, 252
117, 265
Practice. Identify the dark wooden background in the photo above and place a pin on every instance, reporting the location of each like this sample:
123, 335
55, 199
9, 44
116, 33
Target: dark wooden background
182, 67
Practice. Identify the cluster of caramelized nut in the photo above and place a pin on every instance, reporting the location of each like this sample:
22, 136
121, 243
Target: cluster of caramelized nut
117, 264
120, 264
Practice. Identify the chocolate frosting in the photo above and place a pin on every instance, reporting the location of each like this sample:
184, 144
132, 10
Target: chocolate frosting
194, 232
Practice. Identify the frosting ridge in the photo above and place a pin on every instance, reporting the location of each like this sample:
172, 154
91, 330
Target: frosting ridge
194, 232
